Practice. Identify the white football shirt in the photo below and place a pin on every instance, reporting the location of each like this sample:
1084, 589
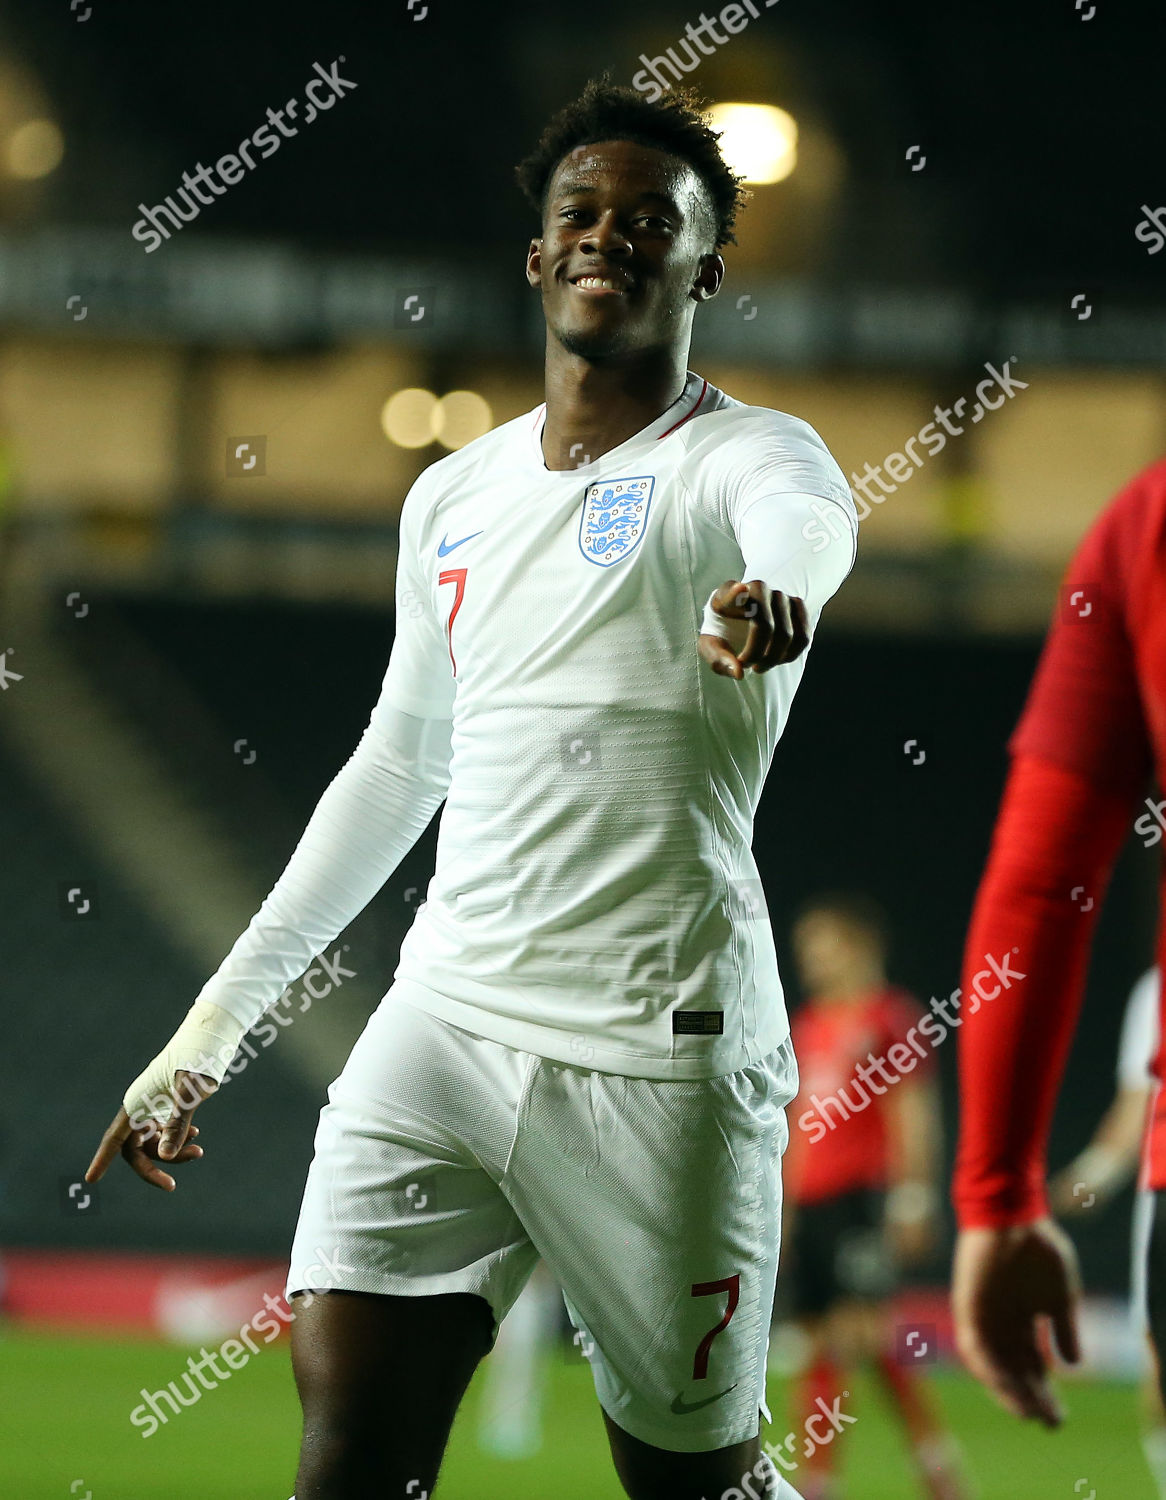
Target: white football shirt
1136, 1052
595, 898
1139, 1034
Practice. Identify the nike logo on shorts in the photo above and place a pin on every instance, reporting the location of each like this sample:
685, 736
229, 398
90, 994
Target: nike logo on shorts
682, 1408
442, 548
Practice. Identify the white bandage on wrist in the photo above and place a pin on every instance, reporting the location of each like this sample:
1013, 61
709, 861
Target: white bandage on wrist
711, 623
734, 633
205, 1043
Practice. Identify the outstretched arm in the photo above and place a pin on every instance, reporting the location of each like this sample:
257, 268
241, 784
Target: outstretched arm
369, 817
768, 616
367, 820
778, 492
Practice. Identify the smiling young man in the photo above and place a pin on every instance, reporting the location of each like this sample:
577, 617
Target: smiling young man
585, 1053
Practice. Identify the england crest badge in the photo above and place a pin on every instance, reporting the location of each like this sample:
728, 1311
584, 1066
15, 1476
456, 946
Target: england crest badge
615, 513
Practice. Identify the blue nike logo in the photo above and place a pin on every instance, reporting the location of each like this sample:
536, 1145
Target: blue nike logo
443, 549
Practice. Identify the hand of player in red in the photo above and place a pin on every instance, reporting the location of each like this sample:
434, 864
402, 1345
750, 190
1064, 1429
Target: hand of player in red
1007, 1285
778, 629
172, 1142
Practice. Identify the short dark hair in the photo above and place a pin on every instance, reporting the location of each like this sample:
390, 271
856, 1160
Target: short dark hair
609, 112
856, 909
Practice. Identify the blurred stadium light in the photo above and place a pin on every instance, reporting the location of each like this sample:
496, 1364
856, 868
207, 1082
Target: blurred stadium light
758, 141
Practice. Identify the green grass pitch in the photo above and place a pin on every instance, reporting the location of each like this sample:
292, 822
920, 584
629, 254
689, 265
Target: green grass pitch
65, 1434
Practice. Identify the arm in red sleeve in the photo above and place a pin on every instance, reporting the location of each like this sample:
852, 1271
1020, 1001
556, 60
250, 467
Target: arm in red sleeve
1082, 758
1057, 834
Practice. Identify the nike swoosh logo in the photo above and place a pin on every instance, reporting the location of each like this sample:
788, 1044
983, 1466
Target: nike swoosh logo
682, 1408
443, 549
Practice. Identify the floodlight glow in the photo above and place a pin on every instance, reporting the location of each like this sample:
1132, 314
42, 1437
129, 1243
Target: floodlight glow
409, 417
760, 141
461, 417
34, 149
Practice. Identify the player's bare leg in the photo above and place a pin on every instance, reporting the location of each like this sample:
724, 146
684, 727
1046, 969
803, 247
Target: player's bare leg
380, 1379
649, 1473
935, 1453
822, 1380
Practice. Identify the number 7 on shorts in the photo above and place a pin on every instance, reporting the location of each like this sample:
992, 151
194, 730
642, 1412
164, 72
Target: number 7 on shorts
732, 1285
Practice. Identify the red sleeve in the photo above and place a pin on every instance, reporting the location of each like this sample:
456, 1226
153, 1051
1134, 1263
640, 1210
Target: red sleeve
1057, 834
1084, 709
1082, 758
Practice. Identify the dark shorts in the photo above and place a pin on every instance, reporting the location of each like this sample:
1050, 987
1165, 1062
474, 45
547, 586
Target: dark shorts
1156, 1286
837, 1253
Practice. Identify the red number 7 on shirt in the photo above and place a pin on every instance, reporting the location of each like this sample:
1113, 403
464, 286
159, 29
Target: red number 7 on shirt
456, 576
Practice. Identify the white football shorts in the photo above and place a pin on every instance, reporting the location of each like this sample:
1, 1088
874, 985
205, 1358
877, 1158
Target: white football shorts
447, 1162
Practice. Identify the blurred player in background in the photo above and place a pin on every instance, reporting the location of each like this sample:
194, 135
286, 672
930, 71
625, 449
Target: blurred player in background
515, 1375
1111, 1158
1092, 734
862, 1170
